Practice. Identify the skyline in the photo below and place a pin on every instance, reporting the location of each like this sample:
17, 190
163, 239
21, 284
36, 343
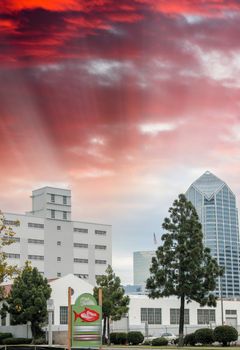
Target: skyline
124, 103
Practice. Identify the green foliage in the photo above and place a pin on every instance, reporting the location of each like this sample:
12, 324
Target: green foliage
159, 342
147, 342
115, 303
4, 336
135, 338
225, 334
118, 338
39, 341
190, 339
27, 300
204, 336
182, 266
6, 238
18, 341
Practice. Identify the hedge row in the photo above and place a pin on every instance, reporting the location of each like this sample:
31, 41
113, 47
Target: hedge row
222, 334
121, 338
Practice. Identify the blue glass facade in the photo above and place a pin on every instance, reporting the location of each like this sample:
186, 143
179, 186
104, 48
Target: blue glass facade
216, 207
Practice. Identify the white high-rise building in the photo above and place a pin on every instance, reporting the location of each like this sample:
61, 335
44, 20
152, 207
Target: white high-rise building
54, 243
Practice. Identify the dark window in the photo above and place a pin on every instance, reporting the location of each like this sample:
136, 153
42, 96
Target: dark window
151, 315
82, 230
98, 232
63, 315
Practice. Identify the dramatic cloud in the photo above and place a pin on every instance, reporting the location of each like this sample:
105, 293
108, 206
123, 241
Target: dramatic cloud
125, 102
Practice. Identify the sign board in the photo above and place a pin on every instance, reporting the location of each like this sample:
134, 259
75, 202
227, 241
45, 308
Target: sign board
86, 322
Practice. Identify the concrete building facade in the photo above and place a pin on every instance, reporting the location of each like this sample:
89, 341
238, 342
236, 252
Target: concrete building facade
216, 207
141, 263
54, 243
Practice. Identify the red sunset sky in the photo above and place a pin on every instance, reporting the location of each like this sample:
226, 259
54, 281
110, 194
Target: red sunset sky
124, 102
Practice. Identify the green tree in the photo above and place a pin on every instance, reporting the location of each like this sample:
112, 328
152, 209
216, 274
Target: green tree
27, 300
6, 238
182, 266
115, 303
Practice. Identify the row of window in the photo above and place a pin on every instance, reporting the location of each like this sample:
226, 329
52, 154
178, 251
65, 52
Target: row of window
41, 257
85, 261
85, 230
154, 316
84, 245
64, 199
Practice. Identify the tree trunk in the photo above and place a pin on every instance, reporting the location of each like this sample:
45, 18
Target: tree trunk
104, 330
181, 320
108, 330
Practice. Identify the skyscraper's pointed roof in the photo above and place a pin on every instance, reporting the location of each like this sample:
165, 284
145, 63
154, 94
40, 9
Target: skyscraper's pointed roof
208, 184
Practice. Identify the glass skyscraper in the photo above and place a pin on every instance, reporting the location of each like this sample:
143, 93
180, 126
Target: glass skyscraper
216, 207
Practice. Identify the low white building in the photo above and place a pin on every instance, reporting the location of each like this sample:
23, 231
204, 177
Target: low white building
54, 243
156, 316
59, 296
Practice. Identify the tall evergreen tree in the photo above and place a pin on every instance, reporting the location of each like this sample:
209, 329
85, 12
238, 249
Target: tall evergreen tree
27, 300
115, 303
182, 266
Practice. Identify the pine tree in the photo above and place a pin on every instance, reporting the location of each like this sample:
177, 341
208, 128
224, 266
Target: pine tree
115, 303
182, 266
27, 300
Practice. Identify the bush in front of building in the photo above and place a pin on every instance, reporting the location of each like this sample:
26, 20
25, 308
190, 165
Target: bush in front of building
118, 338
225, 334
4, 336
135, 338
159, 342
147, 342
189, 339
204, 336
16, 341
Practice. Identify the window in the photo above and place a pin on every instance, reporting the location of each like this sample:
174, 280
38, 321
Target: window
52, 214
205, 316
35, 257
82, 230
103, 262
98, 246
98, 232
231, 312
64, 199
11, 239
36, 241
35, 225
80, 245
78, 260
13, 256
53, 198
63, 315
59, 274
175, 315
11, 222
81, 275
4, 321
59, 258
59, 243
64, 215
151, 315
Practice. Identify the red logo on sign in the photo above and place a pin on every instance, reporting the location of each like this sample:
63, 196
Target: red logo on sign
87, 315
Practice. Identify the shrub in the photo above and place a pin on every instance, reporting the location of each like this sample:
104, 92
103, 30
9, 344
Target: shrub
39, 341
147, 342
4, 336
225, 334
135, 338
118, 338
176, 341
9, 341
159, 341
113, 338
204, 336
189, 339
